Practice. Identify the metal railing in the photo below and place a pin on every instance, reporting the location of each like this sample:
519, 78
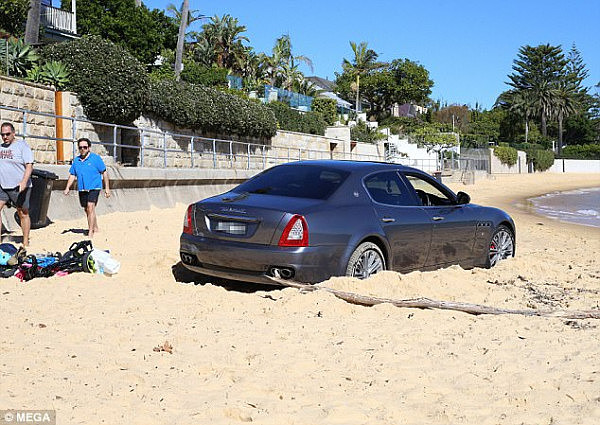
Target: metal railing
145, 147
58, 19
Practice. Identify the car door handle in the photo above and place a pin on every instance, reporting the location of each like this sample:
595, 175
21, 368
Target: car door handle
438, 218
388, 219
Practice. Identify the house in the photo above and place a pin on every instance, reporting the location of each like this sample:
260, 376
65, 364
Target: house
58, 24
326, 89
407, 110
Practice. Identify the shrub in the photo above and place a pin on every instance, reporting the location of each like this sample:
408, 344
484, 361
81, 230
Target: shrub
401, 125
506, 155
327, 108
292, 120
362, 133
209, 110
196, 73
541, 159
111, 84
52, 73
17, 57
589, 151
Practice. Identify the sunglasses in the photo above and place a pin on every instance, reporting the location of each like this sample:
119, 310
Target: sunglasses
83, 147
5, 134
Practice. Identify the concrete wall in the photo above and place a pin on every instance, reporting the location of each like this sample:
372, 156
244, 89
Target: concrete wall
497, 167
575, 166
135, 189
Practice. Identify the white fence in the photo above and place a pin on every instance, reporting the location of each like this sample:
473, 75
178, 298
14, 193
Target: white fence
575, 166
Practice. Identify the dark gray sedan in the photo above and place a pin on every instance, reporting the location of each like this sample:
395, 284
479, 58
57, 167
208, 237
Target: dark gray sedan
307, 221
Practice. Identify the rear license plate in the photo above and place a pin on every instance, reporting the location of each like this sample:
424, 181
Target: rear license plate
230, 227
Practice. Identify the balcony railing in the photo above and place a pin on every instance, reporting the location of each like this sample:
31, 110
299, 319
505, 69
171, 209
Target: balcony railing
58, 19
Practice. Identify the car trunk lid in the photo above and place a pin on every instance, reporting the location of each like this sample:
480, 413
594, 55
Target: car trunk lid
250, 218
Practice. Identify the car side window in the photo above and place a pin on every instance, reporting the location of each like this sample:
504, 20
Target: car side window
428, 194
387, 188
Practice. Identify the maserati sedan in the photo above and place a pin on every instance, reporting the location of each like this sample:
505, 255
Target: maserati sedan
307, 221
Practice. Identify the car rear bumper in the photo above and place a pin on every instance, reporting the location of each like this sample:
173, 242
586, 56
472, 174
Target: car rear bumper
253, 262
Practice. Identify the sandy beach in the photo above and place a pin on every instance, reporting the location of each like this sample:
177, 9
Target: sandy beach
83, 344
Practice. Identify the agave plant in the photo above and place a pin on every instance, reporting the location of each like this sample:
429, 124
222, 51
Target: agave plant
21, 57
55, 73
35, 74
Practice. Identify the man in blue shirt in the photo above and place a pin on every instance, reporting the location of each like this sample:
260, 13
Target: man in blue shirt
90, 171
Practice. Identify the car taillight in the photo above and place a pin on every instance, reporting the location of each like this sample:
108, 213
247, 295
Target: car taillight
187, 221
295, 232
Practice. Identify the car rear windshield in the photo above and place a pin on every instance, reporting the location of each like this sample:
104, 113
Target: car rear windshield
296, 181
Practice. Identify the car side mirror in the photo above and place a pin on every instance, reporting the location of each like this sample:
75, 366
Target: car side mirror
462, 198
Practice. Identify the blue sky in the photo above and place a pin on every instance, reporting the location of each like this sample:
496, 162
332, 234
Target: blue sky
467, 46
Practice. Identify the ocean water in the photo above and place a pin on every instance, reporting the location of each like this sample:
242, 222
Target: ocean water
581, 206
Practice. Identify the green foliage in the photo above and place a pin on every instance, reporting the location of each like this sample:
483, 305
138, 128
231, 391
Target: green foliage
111, 84
590, 151
362, 133
13, 15
382, 84
433, 139
143, 32
292, 120
51, 73
17, 57
581, 129
412, 82
209, 110
327, 108
402, 125
195, 73
541, 159
506, 155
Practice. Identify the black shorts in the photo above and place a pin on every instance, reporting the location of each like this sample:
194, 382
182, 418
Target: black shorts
86, 196
13, 197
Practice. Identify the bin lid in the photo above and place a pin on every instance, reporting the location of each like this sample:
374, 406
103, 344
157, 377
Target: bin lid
44, 174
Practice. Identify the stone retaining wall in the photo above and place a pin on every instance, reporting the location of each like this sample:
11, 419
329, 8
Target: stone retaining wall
21, 94
158, 139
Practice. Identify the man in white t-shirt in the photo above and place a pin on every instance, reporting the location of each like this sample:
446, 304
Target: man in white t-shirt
16, 166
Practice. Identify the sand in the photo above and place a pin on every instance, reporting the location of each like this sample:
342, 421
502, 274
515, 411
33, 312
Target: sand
84, 344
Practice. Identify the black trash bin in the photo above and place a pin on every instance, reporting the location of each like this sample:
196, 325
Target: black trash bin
42, 182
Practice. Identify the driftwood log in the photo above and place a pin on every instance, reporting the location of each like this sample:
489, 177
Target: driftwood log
423, 303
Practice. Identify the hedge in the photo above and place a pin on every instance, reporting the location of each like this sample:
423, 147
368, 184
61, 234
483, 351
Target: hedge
111, 84
589, 151
541, 159
292, 120
506, 155
327, 108
209, 110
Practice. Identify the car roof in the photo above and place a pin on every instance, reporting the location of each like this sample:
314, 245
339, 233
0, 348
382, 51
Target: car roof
351, 166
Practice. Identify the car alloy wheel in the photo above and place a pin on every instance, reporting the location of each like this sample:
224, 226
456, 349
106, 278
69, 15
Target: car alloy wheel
501, 245
365, 261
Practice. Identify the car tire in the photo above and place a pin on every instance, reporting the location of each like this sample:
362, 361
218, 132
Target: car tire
366, 260
501, 246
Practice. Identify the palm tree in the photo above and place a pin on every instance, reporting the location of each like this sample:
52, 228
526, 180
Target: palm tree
185, 7
521, 103
543, 95
32, 27
565, 104
282, 63
364, 61
224, 35
193, 15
